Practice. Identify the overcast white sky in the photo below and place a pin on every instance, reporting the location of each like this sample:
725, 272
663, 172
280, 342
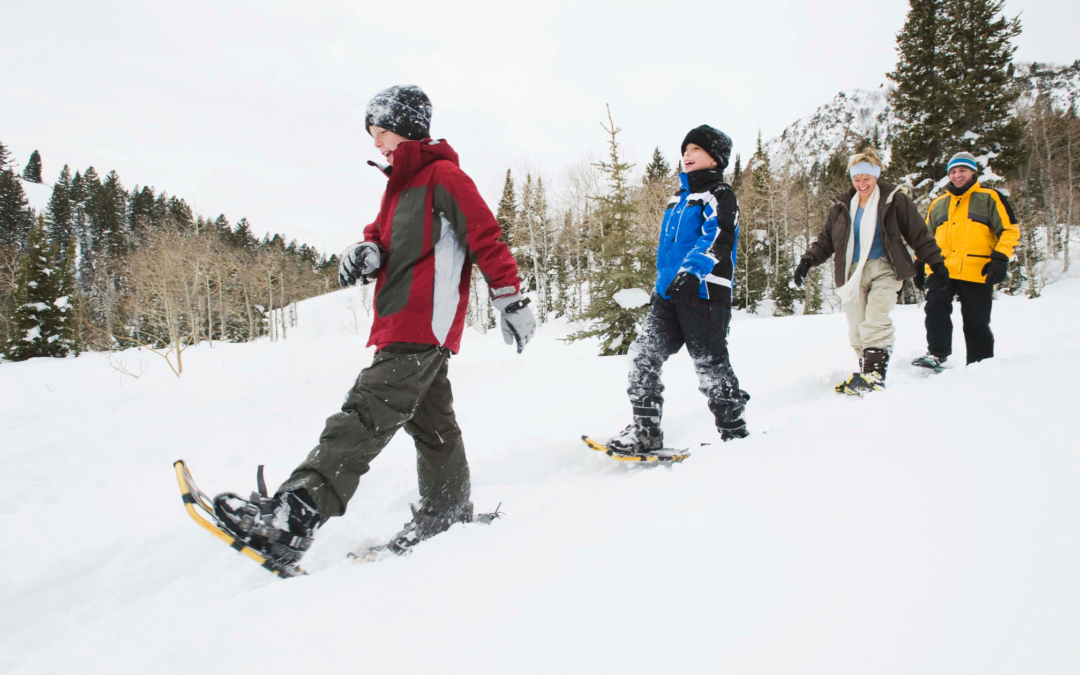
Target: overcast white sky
255, 109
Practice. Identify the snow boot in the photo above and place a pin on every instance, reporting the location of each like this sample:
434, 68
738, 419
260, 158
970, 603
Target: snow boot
280, 527
875, 361
637, 439
730, 431
644, 434
873, 364
428, 522
930, 361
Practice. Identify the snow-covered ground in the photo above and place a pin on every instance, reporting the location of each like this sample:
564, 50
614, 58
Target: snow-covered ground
931, 528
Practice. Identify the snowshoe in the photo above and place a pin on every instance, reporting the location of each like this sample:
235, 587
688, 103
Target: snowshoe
279, 527
861, 383
426, 523
930, 362
202, 510
659, 455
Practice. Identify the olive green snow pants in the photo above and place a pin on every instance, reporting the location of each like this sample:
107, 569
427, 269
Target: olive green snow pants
406, 385
869, 325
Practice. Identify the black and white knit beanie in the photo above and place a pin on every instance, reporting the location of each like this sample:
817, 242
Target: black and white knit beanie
712, 141
405, 110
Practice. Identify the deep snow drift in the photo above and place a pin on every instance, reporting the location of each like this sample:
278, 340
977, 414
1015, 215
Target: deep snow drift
927, 529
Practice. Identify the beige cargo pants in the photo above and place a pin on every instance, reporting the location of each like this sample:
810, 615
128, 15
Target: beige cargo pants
869, 325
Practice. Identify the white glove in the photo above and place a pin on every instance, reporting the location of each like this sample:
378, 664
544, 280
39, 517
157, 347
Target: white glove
517, 321
358, 262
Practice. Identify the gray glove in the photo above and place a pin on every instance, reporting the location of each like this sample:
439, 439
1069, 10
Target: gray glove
517, 321
358, 262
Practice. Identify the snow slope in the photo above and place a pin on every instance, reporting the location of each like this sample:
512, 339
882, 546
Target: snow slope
927, 529
813, 139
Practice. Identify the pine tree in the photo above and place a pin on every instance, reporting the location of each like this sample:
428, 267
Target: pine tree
506, 214
79, 195
918, 100
140, 213
180, 214
752, 251
953, 90
16, 218
979, 65
59, 214
657, 170
32, 172
223, 229
243, 237
107, 208
43, 290
618, 266
784, 293
5, 156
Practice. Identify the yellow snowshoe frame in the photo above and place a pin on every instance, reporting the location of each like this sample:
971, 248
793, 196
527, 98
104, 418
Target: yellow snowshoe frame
675, 456
193, 497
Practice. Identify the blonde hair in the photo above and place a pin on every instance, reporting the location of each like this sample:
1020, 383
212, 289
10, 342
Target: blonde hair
869, 155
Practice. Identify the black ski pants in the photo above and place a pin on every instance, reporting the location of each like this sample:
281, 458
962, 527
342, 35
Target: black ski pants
703, 328
406, 385
976, 300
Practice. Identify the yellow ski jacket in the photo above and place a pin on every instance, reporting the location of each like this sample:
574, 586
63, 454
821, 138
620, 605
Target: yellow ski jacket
969, 227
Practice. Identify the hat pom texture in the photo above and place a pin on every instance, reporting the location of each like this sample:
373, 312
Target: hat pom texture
405, 110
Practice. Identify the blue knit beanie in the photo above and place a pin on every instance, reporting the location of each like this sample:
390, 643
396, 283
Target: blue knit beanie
963, 159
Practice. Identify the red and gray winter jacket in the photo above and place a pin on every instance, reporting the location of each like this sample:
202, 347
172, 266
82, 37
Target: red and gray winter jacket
432, 226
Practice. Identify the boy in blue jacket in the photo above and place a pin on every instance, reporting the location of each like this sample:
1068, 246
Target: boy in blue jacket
691, 303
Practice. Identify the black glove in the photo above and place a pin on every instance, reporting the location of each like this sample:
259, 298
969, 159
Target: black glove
684, 288
939, 277
997, 268
920, 275
801, 271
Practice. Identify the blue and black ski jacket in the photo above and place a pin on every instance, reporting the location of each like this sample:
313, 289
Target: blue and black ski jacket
699, 233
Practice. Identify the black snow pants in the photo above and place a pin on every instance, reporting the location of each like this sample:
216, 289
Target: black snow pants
703, 328
976, 300
406, 385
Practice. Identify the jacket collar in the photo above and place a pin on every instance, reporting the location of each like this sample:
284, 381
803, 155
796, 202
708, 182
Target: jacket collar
959, 192
412, 156
702, 179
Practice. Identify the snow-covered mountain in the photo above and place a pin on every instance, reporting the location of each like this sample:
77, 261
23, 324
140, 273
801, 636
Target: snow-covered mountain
926, 529
849, 115
857, 113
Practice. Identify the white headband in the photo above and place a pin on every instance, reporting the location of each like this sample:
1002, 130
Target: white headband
865, 167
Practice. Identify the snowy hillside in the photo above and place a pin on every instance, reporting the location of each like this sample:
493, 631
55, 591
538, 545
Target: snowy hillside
927, 529
816, 137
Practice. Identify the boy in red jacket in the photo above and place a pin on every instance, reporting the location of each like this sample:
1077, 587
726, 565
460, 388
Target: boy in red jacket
432, 226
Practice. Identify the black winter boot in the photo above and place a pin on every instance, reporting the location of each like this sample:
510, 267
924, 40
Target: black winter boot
280, 527
875, 361
428, 522
930, 361
644, 435
730, 431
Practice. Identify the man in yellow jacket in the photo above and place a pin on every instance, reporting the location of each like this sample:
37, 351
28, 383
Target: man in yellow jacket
976, 229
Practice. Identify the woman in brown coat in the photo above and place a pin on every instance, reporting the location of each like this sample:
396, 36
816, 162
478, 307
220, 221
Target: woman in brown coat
866, 228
